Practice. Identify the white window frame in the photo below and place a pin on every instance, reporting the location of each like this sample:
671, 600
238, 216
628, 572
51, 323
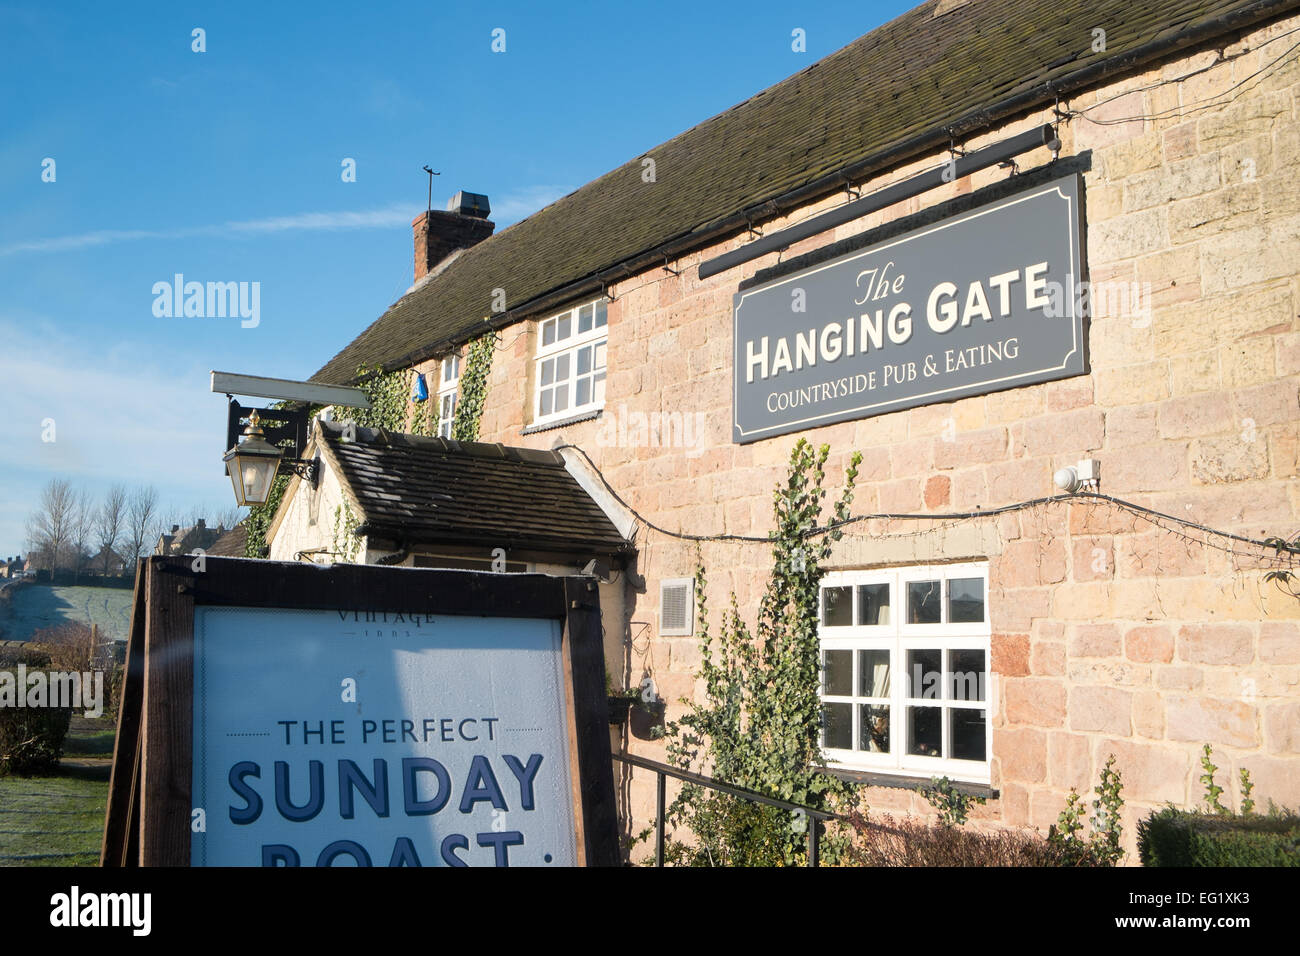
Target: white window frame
596, 338
448, 384
898, 637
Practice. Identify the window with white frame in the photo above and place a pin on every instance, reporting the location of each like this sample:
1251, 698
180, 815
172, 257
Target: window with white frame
571, 362
905, 671
448, 381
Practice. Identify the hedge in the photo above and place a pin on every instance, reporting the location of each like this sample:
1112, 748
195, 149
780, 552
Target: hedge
888, 841
1173, 837
31, 739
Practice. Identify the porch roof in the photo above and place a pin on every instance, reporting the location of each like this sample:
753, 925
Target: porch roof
423, 491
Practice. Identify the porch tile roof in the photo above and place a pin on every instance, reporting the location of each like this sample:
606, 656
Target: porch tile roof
424, 491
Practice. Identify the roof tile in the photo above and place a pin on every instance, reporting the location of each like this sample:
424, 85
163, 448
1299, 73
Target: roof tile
913, 75
434, 490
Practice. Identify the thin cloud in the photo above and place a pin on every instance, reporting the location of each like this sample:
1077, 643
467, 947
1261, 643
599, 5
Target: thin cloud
509, 209
397, 214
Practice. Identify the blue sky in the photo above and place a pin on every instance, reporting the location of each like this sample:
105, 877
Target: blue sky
225, 165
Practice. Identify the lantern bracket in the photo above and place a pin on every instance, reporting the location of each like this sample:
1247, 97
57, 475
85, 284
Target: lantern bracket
306, 469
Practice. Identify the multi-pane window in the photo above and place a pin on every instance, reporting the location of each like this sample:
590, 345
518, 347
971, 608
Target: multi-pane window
905, 675
571, 362
448, 380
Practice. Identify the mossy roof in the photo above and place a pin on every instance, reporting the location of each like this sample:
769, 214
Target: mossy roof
916, 74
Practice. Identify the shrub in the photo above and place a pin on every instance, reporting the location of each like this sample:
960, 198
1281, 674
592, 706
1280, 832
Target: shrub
1101, 847
732, 832
31, 739
1174, 837
13, 654
886, 841
952, 805
72, 647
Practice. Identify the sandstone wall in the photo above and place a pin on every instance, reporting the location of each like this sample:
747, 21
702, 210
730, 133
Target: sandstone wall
1111, 633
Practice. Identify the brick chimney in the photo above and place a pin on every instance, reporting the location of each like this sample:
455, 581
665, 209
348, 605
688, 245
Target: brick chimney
438, 234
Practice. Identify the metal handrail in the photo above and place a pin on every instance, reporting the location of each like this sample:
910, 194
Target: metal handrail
663, 771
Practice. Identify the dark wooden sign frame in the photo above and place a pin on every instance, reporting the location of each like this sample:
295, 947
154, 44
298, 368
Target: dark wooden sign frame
149, 801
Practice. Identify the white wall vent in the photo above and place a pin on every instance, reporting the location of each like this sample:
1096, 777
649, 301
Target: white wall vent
677, 607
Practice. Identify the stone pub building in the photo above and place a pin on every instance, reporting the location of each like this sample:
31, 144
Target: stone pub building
987, 304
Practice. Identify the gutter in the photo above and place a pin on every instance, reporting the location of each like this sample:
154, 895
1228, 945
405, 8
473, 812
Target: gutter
1048, 91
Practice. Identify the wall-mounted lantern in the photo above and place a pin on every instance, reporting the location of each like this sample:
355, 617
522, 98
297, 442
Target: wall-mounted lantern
254, 462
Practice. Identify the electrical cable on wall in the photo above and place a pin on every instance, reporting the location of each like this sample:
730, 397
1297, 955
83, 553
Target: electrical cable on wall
1210, 103
953, 518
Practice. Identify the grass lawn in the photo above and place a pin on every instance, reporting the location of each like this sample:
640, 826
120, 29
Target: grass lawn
91, 742
40, 606
59, 820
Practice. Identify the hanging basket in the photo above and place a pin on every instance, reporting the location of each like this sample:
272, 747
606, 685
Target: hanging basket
647, 721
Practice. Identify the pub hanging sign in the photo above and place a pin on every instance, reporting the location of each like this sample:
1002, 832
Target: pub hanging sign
982, 301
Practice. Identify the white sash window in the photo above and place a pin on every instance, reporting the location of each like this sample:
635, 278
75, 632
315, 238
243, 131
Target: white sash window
570, 372
905, 671
448, 382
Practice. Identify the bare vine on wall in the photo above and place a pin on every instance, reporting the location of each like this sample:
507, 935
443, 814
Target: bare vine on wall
347, 543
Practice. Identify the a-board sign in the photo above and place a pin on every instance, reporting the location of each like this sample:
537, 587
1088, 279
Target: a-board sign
983, 300
279, 714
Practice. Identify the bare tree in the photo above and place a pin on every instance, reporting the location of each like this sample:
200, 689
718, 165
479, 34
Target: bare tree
110, 522
141, 517
82, 530
229, 518
50, 526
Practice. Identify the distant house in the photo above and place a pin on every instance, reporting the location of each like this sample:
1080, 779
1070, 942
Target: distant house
186, 540
12, 568
108, 561
38, 559
232, 544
